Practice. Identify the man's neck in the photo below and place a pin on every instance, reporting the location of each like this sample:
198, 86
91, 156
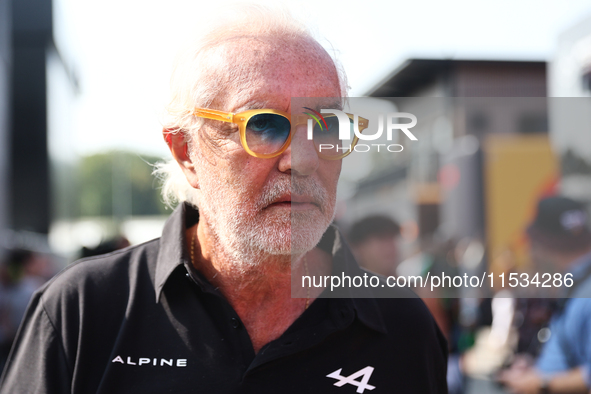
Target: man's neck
260, 293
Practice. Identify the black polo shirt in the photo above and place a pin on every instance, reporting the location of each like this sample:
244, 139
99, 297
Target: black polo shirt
142, 320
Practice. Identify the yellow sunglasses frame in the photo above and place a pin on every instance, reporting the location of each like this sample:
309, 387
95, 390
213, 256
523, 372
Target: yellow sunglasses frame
242, 118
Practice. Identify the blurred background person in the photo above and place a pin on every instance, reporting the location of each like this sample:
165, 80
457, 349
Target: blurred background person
560, 242
374, 241
107, 246
22, 273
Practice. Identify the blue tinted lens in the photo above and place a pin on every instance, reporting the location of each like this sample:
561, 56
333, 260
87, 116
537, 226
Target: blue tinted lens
328, 131
326, 137
266, 133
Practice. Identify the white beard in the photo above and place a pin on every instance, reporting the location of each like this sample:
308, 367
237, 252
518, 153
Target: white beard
250, 235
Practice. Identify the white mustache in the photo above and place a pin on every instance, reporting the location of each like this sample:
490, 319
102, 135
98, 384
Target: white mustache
296, 186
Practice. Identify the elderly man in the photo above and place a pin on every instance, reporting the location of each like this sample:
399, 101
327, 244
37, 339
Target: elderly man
208, 306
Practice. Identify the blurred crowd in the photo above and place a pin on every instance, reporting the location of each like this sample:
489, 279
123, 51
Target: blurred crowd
512, 340
22, 272
24, 269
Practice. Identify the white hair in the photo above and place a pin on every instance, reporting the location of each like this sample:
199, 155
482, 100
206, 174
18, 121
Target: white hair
195, 84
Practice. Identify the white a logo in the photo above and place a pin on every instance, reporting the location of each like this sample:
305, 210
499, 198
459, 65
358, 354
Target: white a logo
361, 385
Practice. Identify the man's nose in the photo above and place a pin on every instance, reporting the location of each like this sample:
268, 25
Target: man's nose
301, 155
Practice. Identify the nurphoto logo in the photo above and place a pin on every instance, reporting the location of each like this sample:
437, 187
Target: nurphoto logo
348, 129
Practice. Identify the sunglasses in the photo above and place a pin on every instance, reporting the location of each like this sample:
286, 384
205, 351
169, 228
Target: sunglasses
266, 133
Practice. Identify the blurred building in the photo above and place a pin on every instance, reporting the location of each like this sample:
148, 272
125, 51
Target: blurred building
569, 81
569, 71
25, 37
464, 78
5, 67
482, 157
31, 70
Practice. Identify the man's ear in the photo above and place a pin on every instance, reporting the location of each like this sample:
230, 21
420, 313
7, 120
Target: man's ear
180, 151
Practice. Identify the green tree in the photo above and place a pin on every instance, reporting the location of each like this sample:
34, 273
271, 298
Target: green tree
118, 184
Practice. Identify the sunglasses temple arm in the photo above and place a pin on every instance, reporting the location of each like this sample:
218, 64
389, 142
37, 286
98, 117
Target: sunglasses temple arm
215, 115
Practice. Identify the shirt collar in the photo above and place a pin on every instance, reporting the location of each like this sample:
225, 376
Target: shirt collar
363, 299
173, 253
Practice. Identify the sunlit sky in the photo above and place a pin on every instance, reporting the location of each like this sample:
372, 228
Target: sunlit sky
122, 52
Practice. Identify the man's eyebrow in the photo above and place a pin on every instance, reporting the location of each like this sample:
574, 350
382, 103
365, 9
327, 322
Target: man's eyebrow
252, 105
265, 104
333, 105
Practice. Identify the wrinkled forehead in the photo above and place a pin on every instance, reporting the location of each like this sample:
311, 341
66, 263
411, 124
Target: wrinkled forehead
271, 70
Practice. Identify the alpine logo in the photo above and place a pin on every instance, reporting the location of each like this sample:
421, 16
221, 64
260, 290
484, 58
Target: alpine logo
179, 362
351, 379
